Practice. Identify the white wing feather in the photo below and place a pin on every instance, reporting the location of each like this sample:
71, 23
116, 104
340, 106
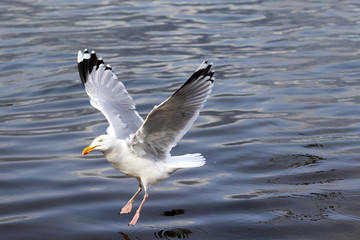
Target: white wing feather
108, 95
167, 123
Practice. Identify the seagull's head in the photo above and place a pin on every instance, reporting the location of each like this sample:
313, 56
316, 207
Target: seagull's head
101, 143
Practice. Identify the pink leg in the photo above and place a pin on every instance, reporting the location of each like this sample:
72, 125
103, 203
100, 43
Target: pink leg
127, 208
137, 214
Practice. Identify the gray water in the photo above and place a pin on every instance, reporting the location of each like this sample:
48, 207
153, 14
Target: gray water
280, 131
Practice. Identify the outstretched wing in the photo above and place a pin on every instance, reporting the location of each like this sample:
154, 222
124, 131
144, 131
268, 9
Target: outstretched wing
167, 123
108, 95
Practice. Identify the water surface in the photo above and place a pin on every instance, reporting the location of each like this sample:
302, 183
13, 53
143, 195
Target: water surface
280, 131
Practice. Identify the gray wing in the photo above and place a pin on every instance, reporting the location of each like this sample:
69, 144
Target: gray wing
108, 95
167, 123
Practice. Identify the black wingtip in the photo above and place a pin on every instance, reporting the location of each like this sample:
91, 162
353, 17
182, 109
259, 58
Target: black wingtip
202, 73
211, 76
108, 67
86, 63
93, 61
99, 62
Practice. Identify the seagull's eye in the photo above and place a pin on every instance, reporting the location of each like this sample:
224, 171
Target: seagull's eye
100, 140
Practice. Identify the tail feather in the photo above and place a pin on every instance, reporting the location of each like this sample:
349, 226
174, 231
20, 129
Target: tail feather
185, 161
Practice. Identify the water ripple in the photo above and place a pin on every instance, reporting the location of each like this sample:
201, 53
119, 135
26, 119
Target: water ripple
280, 131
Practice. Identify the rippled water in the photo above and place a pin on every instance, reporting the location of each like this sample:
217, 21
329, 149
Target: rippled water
281, 130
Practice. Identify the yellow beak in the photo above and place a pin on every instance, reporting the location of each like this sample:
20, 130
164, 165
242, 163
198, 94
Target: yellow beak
88, 149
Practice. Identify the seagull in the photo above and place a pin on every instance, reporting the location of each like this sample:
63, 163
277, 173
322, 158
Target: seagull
136, 147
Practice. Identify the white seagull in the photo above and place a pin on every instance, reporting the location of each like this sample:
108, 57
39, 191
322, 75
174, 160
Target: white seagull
138, 148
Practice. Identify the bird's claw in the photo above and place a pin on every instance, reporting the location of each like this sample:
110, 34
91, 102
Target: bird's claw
134, 220
126, 209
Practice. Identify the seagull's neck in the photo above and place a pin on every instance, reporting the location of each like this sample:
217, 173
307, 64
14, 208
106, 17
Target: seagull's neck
116, 152
113, 148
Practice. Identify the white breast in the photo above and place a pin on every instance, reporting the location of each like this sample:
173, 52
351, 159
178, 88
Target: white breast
148, 170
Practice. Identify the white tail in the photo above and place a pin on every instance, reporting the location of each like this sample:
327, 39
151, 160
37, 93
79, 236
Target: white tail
185, 161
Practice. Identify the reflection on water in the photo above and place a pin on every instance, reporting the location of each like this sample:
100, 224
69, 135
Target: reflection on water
166, 233
173, 233
192, 182
11, 219
280, 132
102, 173
296, 160
174, 212
326, 203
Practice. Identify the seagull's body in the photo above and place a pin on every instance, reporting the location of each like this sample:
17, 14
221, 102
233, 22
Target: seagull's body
138, 148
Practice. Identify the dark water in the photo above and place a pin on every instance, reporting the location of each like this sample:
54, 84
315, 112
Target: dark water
281, 131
